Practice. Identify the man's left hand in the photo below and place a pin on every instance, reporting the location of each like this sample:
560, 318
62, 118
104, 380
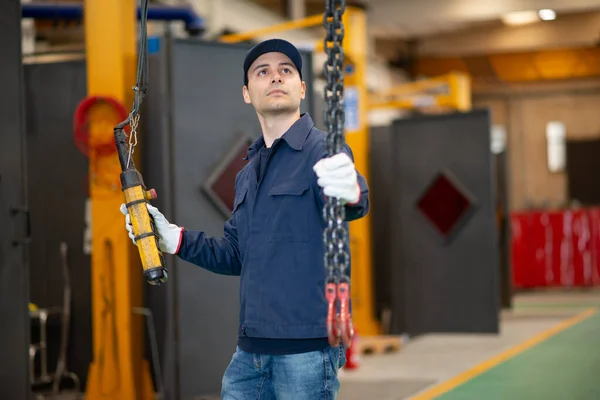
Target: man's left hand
337, 176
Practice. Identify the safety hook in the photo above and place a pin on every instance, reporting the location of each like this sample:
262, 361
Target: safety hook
333, 328
346, 327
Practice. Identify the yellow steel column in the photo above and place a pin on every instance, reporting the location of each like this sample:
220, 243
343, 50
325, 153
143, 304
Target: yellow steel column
357, 131
118, 370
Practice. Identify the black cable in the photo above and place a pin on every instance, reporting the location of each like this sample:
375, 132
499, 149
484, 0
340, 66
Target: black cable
142, 68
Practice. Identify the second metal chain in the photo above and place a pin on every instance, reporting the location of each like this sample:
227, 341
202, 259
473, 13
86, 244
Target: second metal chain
335, 236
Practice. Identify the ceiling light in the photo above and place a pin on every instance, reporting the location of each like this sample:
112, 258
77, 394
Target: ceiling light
547, 15
520, 17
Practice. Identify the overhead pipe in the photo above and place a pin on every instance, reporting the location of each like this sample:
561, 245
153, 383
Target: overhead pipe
194, 24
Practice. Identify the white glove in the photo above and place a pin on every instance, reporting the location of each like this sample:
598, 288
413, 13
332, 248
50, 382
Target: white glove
169, 234
338, 178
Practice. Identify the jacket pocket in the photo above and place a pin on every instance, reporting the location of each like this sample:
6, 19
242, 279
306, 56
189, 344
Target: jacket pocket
240, 196
240, 216
290, 204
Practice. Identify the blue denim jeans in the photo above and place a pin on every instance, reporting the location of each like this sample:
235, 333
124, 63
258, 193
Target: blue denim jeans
302, 376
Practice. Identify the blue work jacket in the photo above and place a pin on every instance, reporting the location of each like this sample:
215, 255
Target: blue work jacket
274, 238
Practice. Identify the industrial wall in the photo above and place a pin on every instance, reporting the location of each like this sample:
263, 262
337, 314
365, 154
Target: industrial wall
381, 178
524, 111
14, 285
57, 202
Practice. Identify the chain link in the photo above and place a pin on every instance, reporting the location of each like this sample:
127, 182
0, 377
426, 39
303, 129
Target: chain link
335, 236
133, 136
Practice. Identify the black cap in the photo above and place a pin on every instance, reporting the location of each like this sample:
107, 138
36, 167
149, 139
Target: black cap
269, 46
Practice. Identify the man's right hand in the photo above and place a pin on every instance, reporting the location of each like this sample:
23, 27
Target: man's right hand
170, 235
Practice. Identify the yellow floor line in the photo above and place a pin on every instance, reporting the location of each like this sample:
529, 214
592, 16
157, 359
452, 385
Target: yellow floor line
450, 384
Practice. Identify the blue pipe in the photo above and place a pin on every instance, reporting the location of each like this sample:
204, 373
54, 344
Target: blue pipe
194, 24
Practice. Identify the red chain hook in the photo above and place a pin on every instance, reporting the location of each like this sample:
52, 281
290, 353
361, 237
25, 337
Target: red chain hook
333, 331
339, 325
345, 319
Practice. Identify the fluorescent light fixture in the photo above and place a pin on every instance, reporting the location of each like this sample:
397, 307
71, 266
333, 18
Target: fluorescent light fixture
547, 15
520, 17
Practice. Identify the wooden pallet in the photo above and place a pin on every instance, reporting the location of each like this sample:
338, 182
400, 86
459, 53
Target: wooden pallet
378, 344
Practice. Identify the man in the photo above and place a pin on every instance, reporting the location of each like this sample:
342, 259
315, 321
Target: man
274, 239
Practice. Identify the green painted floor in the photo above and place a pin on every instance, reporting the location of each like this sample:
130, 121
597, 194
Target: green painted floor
564, 367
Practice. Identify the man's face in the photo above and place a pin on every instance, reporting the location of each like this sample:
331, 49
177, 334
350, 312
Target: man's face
274, 85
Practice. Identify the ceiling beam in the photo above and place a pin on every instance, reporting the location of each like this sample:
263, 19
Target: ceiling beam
539, 65
567, 31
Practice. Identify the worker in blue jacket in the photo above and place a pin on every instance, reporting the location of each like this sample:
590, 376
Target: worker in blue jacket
274, 238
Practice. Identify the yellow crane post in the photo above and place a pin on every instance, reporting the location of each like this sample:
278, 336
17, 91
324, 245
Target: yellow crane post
357, 137
118, 370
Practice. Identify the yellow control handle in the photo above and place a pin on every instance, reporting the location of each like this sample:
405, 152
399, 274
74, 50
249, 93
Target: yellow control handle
146, 238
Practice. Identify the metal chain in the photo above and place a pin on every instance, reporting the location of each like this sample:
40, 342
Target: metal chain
335, 236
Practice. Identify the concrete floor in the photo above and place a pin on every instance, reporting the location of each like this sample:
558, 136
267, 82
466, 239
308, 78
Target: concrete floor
435, 358
431, 359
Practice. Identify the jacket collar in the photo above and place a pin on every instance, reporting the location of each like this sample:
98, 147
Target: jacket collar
295, 136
